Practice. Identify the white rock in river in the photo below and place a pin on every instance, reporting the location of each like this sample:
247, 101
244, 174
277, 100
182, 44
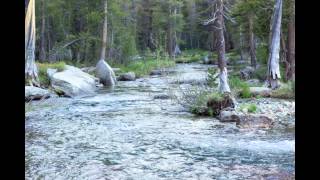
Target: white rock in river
35, 93
73, 82
105, 73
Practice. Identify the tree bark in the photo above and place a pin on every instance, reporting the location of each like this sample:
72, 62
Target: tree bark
241, 42
104, 32
31, 71
252, 43
223, 76
42, 54
274, 48
291, 47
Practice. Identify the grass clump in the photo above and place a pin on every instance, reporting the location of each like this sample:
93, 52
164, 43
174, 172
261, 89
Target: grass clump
199, 106
188, 59
240, 88
286, 91
207, 104
42, 71
251, 108
144, 67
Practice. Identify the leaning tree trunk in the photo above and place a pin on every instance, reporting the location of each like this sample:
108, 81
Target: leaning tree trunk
31, 72
274, 48
223, 76
252, 43
291, 48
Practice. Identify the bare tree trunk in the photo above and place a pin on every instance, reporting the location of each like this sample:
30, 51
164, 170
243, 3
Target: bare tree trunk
283, 49
104, 72
223, 86
274, 48
42, 54
252, 43
31, 71
291, 47
241, 43
104, 33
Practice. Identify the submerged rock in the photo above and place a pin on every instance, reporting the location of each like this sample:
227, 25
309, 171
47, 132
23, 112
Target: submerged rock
161, 96
73, 82
155, 72
129, 76
35, 93
280, 176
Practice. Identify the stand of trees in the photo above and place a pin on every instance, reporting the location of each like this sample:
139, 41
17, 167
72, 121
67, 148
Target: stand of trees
71, 30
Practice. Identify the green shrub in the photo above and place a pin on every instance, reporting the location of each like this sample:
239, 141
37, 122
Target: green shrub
240, 88
212, 77
251, 108
245, 92
262, 53
199, 106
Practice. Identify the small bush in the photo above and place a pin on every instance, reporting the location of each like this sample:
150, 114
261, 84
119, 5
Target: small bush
212, 77
251, 108
240, 88
208, 104
198, 104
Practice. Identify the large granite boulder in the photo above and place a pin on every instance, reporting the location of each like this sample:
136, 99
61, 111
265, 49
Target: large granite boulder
73, 82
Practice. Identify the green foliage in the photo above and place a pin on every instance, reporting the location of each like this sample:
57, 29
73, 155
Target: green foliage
42, 71
144, 67
216, 96
262, 53
239, 87
212, 77
199, 107
286, 91
251, 108
261, 72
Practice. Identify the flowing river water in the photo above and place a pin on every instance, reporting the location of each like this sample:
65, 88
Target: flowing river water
126, 133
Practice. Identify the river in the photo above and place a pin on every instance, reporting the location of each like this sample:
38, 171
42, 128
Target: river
124, 133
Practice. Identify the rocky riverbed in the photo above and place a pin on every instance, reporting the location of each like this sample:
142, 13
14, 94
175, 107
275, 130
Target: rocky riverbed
130, 133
